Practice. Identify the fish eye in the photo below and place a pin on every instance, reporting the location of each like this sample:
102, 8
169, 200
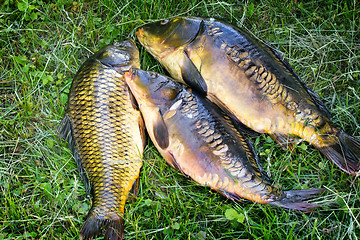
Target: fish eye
163, 22
153, 75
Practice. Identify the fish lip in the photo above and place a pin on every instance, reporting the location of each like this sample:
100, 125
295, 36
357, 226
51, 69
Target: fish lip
130, 75
140, 33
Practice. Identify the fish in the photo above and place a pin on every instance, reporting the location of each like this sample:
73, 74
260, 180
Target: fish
106, 135
250, 81
195, 137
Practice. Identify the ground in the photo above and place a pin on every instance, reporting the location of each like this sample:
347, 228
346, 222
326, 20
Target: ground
43, 44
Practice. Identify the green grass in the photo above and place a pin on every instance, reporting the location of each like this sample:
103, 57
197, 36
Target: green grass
41, 47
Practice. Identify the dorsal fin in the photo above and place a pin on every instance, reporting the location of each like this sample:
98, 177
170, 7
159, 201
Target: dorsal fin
258, 166
315, 97
242, 130
65, 132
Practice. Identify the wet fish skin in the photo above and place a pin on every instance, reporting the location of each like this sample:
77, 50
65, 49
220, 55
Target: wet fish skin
106, 135
197, 138
249, 80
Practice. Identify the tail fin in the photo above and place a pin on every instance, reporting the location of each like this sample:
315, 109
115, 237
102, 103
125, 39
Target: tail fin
294, 199
345, 153
111, 229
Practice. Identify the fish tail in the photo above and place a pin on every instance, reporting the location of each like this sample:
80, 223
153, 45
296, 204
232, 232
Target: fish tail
294, 199
111, 229
345, 153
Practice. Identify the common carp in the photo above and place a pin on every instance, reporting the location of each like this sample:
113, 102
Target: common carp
249, 80
105, 133
195, 137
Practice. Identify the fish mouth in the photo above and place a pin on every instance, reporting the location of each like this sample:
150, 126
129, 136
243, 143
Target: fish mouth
140, 33
130, 75
129, 79
137, 90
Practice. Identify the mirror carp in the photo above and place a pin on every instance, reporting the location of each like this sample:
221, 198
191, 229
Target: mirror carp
250, 81
197, 138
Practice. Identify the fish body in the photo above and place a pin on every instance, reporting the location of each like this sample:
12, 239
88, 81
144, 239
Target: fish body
197, 138
106, 135
249, 80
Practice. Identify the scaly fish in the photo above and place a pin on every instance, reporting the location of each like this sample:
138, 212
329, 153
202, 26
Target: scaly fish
250, 81
105, 132
194, 136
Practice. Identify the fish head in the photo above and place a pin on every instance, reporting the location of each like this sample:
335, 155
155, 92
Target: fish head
120, 56
152, 89
165, 36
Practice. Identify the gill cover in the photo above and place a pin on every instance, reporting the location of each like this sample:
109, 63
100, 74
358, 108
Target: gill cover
121, 55
173, 32
151, 88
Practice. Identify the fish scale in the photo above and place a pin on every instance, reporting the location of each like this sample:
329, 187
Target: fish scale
108, 135
200, 141
106, 178
250, 81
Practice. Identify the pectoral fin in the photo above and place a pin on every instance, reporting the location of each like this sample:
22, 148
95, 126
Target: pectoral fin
142, 130
160, 131
192, 76
132, 99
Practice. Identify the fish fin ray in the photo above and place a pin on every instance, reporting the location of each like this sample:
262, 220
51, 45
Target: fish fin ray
294, 199
175, 164
95, 225
134, 191
345, 154
242, 130
161, 132
65, 131
142, 129
229, 195
286, 142
317, 100
258, 166
64, 128
192, 76
132, 99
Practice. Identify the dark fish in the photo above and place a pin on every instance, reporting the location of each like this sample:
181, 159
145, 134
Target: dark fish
197, 138
249, 80
106, 135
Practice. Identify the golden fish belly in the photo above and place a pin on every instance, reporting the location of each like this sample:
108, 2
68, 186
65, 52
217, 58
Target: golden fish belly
107, 135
